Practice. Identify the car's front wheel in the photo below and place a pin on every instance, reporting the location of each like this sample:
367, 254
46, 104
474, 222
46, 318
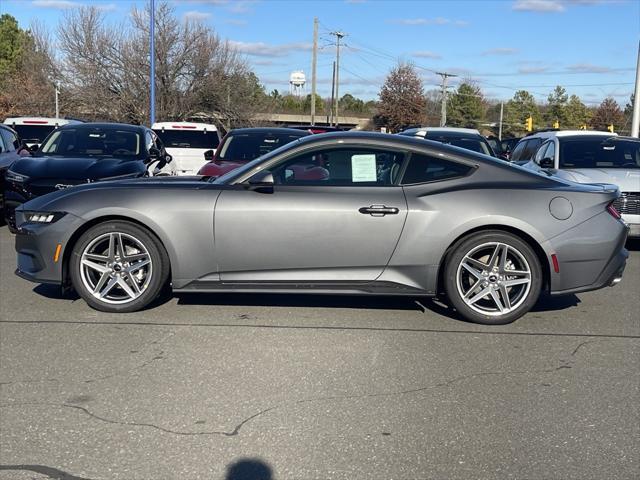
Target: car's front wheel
492, 277
118, 267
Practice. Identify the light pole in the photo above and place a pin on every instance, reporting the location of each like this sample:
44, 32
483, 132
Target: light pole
57, 84
152, 73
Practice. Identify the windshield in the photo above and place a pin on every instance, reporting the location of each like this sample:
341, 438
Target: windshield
245, 147
93, 142
596, 153
33, 133
189, 138
468, 143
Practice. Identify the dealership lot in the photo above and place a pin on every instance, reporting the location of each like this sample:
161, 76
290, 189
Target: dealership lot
317, 387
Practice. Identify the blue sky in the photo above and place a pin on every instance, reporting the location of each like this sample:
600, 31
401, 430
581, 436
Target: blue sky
588, 46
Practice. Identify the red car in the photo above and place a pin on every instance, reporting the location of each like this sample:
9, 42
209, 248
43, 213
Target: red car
242, 145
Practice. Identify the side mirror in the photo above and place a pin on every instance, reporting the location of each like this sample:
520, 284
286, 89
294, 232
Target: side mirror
262, 179
34, 148
208, 155
168, 158
546, 163
154, 154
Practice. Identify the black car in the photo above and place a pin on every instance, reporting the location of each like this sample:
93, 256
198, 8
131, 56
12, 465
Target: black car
81, 153
466, 138
11, 147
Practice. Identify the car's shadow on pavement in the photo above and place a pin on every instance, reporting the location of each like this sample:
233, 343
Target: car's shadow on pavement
633, 244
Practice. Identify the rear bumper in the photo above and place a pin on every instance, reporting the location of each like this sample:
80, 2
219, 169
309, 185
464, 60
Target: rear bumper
590, 256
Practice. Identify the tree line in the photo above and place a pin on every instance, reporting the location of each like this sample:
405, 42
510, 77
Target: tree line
403, 103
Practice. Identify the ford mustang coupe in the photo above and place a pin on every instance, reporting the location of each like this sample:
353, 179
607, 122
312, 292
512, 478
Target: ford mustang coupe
390, 215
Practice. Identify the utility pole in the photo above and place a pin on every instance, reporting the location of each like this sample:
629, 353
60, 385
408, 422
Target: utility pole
339, 36
443, 111
635, 119
500, 127
152, 73
57, 84
314, 61
333, 91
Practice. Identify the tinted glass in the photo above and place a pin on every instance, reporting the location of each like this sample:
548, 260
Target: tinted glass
10, 140
473, 143
423, 168
519, 150
530, 148
340, 167
540, 153
33, 133
551, 151
189, 139
595, 153
245, 147
94, 142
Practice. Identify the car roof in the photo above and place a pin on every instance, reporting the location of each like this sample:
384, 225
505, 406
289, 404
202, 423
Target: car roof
568, 133
414, 131
197, 126
39, 121
292, 131
104, 125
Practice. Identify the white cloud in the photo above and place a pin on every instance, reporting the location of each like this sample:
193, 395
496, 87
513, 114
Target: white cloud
588, 68
430, 21
538, 6
426, 54
500, 51
261, 49
532, 69
196, 15
69, 4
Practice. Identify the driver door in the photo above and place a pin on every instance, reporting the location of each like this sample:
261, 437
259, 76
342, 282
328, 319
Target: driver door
333, 215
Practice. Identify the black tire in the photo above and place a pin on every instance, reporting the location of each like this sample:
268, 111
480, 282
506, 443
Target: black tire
524, 297
160, 266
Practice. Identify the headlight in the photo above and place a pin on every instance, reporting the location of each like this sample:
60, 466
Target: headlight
43, 217
15, 177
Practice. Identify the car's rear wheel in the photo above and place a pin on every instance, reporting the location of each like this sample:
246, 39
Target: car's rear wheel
118, 267
492, 277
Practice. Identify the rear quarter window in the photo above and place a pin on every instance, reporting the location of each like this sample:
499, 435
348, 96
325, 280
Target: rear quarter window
424, 168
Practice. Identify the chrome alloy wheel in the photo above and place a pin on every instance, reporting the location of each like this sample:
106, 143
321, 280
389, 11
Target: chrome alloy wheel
116, 268
493, 278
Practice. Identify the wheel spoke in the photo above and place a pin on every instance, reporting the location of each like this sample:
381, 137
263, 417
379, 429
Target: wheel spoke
516, 273
505, 297
516, 281
471, 269
125, 286
96, 258
496, 299
112, 246
483, 293
477, 264
112, 283
134, 284
138, 265
95, 266
472, 289
103, 279
120, 249
498, 257
135, 257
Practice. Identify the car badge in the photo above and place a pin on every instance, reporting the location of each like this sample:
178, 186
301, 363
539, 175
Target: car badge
62, 186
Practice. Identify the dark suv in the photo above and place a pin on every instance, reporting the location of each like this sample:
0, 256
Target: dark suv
467, 138
81, 153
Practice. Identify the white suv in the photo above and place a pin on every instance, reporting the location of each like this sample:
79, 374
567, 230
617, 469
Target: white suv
187, 143
595, 157
33, 130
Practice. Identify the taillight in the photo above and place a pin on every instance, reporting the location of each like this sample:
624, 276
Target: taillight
614, 213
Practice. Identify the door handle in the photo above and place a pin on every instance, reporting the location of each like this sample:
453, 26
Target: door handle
379, 210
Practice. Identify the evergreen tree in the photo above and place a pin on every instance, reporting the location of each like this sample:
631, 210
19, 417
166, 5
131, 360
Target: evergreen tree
465, 107
556, 108
577, 113
516, 112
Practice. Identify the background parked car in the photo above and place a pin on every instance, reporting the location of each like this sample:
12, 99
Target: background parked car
596, 157
242, 145
81, 153
459, 137
187, 142
11, 148
33, 130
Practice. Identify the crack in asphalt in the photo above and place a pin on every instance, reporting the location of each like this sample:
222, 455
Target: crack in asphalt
156, 356
44, 470
565, 364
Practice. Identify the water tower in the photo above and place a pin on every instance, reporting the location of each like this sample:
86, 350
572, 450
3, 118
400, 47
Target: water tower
296, 83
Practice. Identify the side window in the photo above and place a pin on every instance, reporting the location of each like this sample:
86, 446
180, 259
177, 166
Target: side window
358, 166
540, 154
11, 142
148, 141
530, 150
517, 152
424, 168
551, 151
3, 149
157, 142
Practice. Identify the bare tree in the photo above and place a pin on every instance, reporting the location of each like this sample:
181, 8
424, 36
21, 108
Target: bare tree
402, 101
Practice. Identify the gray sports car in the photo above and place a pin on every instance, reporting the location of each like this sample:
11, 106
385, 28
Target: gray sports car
338, 213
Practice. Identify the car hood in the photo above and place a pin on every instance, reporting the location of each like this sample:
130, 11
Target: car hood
76, 168
627, 179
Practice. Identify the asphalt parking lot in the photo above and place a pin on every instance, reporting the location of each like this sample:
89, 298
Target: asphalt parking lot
304, 387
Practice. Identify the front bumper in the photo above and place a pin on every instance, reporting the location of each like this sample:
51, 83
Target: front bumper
36, 245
